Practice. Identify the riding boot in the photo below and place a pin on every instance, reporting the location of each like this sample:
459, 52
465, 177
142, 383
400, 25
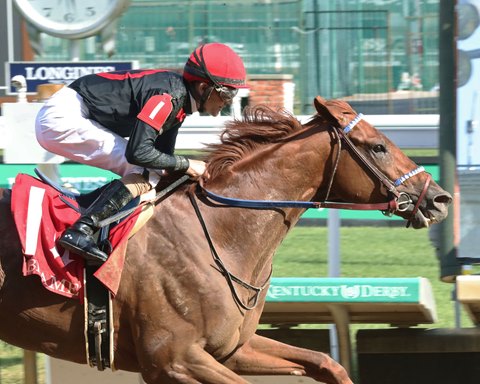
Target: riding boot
79, 237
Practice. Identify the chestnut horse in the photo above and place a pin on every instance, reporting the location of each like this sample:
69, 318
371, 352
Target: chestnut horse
183, 316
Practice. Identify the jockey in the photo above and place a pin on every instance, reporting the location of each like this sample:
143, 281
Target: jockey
89, 121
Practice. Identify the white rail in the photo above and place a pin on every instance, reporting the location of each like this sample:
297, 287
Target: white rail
406, 131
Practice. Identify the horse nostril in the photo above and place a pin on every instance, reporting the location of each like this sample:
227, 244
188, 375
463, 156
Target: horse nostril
444, 198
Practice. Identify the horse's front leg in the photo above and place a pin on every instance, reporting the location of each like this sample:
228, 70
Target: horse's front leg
263, 356
191, 366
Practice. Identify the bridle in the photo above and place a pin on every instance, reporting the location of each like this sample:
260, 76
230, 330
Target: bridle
398, 201
403, 200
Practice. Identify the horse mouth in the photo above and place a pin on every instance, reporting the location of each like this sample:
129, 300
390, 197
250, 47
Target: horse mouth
421, 221
425, 217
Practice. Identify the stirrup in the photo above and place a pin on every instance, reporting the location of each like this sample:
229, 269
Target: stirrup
90, 258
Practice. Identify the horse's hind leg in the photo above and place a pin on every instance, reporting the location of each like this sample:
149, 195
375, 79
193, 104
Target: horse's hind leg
195, 367
263, 356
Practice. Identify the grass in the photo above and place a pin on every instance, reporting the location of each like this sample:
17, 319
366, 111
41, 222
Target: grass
365, 252
11, 365
421, 152
369, 252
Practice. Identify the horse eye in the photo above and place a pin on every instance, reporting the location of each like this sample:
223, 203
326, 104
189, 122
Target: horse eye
379, 148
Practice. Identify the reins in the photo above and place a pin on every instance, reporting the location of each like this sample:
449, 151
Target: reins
400, 201
231, 278
266, 204
158, 196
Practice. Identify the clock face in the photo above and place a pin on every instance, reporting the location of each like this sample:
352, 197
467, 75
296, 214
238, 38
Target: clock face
71, 18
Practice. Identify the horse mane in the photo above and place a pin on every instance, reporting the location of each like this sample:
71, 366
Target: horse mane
260, 125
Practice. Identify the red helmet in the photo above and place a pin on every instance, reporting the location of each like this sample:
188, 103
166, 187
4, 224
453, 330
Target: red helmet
216, 63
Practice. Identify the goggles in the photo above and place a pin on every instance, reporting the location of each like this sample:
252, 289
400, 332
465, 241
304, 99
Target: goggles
226, 93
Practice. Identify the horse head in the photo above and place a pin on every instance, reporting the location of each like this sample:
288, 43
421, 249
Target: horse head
377, 168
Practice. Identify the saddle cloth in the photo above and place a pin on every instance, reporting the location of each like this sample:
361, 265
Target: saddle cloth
41, 214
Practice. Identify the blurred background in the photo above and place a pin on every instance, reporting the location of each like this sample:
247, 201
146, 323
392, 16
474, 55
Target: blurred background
381, 55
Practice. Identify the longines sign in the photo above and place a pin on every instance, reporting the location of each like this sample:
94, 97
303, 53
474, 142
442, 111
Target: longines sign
37, 73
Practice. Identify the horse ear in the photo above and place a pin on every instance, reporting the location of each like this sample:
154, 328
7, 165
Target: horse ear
321, 106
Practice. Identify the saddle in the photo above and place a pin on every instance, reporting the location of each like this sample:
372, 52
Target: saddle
42, 210
97, 298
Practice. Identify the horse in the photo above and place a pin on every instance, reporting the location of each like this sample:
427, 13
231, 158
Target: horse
196, 275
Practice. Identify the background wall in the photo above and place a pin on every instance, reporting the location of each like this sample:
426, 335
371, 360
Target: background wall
378, 53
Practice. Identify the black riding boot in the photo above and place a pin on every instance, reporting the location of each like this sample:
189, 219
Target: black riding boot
78, 238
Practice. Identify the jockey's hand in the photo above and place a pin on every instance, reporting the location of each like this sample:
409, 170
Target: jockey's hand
197, 168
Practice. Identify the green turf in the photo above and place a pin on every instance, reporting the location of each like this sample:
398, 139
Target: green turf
368, 252
11, 365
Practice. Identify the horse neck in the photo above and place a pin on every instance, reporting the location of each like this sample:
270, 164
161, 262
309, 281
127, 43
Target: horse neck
282, 171
289, 170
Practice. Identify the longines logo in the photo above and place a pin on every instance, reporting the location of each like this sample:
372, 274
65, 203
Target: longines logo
63, 73
59, 72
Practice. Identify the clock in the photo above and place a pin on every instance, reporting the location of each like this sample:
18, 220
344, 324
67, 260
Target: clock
71, 19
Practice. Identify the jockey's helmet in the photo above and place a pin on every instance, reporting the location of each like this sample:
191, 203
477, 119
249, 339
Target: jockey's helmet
217, 64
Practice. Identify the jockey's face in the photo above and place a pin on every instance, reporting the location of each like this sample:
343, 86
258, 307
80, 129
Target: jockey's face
213, 101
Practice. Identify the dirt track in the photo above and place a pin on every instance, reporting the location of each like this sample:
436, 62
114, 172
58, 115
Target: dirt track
65, 372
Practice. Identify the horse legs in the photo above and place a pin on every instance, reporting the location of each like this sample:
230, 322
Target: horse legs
263, 356
195, 367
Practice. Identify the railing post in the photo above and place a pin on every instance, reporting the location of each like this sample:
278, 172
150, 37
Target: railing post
449, 264
30, 367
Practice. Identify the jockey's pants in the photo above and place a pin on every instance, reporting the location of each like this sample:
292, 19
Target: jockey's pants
62, 127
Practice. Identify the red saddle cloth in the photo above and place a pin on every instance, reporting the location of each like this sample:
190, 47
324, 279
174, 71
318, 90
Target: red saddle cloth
41, 217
